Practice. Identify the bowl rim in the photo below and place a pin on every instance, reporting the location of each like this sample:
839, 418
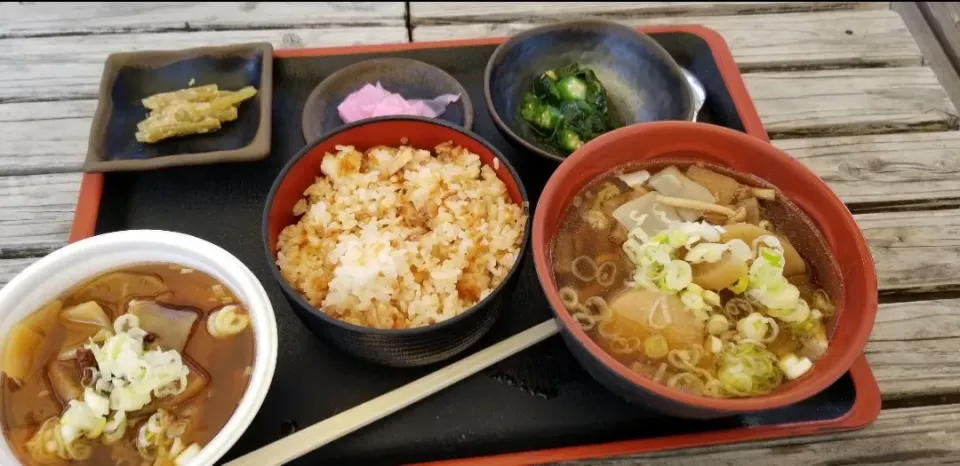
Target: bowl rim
404, 332
512, 41
847, 354
319, 89
265, 337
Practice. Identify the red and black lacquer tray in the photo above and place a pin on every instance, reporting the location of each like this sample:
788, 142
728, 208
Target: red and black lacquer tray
535, 407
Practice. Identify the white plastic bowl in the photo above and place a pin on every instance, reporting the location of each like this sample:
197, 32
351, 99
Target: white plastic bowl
45, 279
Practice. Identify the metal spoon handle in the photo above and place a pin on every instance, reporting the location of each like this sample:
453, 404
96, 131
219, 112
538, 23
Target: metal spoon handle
332, 428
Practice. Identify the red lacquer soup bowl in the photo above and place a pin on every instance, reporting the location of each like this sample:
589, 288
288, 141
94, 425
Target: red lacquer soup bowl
817, 222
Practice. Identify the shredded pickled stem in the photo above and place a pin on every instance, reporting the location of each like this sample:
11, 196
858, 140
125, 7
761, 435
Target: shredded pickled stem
686, 382
569, 297
588, 275
227, 322
587, 322
660, 306
821, 301
607, 273
736, 307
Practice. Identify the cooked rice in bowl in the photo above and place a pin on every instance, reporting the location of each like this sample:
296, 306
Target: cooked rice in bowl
399, 237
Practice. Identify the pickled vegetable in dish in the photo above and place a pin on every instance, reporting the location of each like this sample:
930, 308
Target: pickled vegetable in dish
566, 107
139, 366
682, 277
194, 110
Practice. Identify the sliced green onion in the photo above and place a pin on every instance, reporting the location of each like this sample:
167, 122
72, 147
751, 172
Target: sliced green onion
655, 347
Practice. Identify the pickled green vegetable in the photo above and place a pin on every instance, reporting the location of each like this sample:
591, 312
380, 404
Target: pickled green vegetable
566, 108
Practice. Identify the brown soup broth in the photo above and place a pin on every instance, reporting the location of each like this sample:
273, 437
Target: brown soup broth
575, 237
225, 363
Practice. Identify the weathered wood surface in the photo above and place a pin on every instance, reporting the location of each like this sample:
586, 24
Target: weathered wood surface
467, 12
850, 101
19, 19
934, 54
34, 68
36, 212
922, 436
944, 21
879, 169
796, 40
44, 137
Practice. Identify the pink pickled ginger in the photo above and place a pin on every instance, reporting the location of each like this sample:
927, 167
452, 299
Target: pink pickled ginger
373, 101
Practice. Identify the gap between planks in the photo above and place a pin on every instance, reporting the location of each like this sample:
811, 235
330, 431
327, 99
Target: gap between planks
26, 19
907, 436
500, 12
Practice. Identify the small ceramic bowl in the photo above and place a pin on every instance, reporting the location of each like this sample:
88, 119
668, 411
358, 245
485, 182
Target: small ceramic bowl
643, 82
131, 76
412, 79
402, 347
813, 218
59, 271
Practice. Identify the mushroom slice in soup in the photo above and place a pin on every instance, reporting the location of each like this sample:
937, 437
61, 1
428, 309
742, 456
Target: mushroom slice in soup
170, 326
671, 182
117, 287
646, 213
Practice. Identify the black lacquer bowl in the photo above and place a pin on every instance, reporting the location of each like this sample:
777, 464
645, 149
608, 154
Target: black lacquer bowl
643, 82
402, 347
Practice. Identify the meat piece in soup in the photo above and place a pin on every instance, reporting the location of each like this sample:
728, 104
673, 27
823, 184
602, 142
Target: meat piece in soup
115, 370
701, 295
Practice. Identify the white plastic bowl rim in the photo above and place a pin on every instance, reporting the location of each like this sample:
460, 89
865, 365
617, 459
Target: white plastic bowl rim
57, 272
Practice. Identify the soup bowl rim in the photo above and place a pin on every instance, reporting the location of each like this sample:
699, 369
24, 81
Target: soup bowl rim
781, 397
207, 257
293, 294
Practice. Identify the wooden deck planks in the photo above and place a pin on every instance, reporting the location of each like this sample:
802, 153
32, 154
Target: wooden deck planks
797, 40
36, 212
21, 19
850, 101
500, 12
907, 436
33, 68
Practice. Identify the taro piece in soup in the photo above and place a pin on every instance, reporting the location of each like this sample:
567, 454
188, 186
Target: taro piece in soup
689, 277
142, 365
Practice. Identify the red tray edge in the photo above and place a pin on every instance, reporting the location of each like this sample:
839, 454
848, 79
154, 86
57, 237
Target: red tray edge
866, 406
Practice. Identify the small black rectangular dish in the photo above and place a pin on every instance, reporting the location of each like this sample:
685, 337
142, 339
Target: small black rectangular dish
129, 77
